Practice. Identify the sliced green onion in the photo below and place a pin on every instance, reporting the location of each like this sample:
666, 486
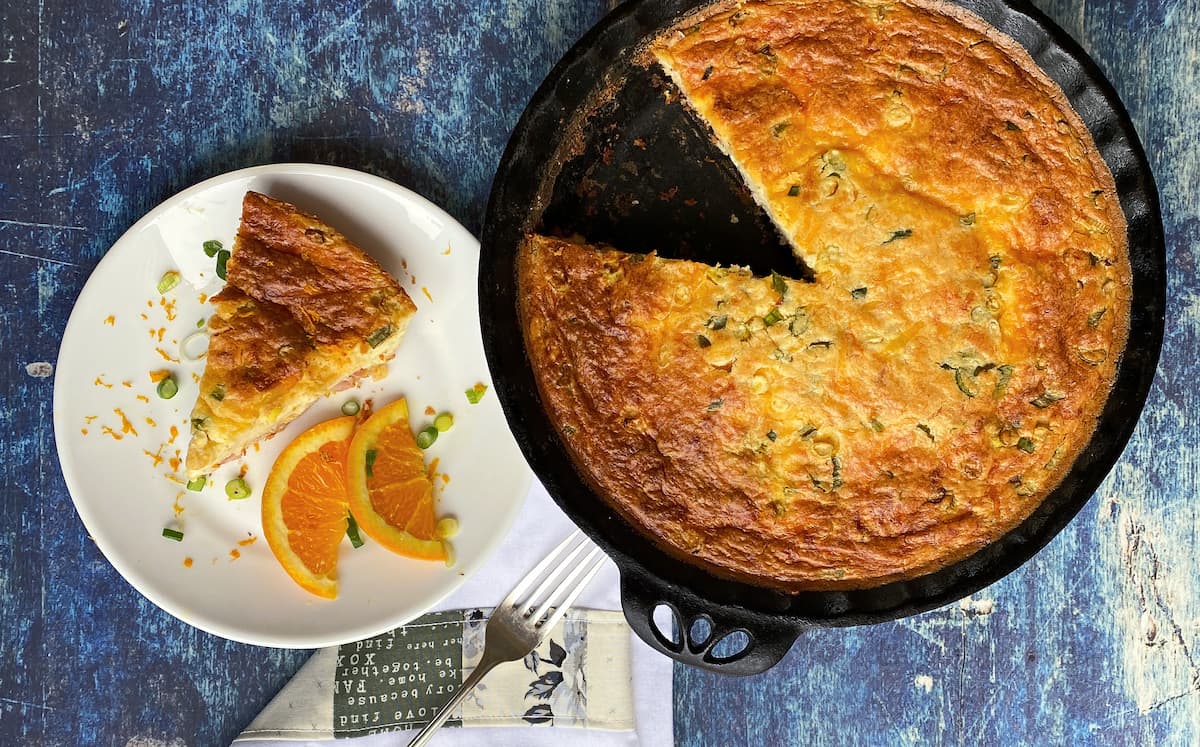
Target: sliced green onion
903, 233
218, 392
351, 407
778, 284
1046, 399
169, 280
379, 335
703, 341
237, 489
197, 484
352, 531
173, 534
858, 294
1003, 376
222, 260
794, 190
443, 422
371, 456
168, 388
200, 324
426, 437
717, 322
212, 246
1025, 444
965, 382
475, 393
773, 316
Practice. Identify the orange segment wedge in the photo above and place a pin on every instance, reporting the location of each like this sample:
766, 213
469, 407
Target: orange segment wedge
391, 495
304, 505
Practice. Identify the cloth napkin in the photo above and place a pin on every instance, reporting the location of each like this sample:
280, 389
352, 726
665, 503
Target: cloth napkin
593, 670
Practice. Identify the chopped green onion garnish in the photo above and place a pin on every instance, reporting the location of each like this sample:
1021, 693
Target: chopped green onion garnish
717, 322
197, 484
212, 246
1025, 445
351, 407
858, 294
371, 456
1003, 376
199, 423
703, 341
218, 392
778, 284
379, 335
222, 260
237, 489
964, 381
715, 405
903, 233
443, 422
772, 317
168, 388
994, 261
967, 220
475, 393
200, 324
772, 435
1046, 399
169, 280
173, 534
352, 531
426, 437
794, 190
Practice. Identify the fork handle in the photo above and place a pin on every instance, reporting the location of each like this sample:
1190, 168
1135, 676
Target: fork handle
486, 664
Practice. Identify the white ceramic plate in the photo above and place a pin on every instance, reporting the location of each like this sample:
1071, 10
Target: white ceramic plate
232, 586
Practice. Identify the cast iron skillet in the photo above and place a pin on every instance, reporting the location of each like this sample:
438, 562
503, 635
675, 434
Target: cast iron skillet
600, 152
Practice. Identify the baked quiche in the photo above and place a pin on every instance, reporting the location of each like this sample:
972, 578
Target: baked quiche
948, 361
303, 312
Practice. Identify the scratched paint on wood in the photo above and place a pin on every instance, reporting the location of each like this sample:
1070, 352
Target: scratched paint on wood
105, 113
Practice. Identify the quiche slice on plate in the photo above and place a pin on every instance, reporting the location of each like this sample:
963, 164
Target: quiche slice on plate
304, 311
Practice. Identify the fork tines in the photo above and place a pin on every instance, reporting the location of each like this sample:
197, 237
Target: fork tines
568, 566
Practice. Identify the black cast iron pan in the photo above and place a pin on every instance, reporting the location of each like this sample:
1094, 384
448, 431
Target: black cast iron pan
638, 172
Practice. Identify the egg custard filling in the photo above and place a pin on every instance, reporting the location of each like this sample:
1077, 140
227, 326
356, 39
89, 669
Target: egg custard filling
937, 378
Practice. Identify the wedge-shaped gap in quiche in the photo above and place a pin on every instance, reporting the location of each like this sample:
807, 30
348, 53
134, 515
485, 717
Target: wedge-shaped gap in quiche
640, 172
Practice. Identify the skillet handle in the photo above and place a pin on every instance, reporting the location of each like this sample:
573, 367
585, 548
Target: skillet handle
769, 638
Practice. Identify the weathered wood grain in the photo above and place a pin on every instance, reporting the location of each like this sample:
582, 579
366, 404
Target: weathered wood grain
106, 111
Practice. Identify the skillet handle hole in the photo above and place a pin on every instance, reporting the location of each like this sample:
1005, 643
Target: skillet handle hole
729, 647
700, 632
667, 628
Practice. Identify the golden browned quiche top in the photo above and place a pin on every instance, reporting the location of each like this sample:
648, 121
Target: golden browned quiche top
303, 310
938, 377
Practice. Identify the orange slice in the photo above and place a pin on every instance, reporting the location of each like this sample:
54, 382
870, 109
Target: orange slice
391, 495
304, 505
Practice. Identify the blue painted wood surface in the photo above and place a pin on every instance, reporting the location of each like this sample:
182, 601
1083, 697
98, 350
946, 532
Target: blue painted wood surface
106, 111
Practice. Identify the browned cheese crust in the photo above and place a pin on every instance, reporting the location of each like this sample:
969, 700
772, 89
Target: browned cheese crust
303, 310
938, 378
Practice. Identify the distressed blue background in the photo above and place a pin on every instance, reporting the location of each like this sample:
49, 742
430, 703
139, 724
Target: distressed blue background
106, 111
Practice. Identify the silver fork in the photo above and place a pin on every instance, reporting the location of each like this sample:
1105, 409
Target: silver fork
516, 626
